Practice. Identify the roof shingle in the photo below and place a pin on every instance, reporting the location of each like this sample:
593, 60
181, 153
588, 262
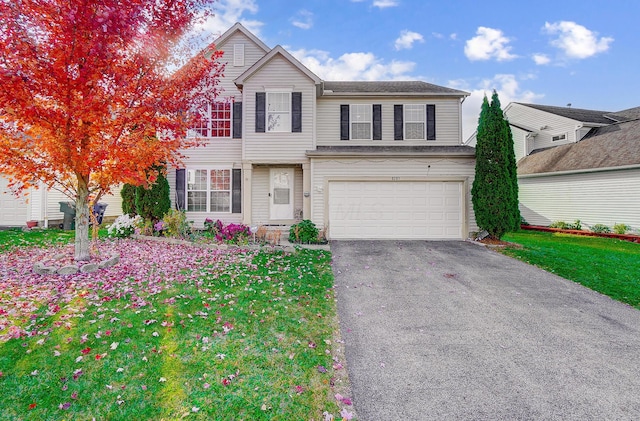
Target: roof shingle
390, 87
579, 114
615, 145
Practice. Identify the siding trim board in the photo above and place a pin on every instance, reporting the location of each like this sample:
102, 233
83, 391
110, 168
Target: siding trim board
582, 171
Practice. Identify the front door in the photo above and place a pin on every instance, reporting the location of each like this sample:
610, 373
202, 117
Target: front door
281, 193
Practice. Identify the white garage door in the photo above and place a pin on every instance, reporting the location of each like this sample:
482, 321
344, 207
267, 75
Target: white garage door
13, 211
395, 210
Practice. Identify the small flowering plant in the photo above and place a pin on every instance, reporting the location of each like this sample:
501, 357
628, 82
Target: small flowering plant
158, 227
234, 234
213, 227
124, 226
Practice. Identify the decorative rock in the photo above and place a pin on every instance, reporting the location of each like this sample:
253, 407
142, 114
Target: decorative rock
59, 256
40, 269
289, 249
223, 247
89, 268
112, 261
68, 270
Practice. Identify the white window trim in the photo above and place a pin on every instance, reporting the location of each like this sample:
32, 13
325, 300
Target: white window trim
287, 128
560, 137
405, 120
208, 190
352, 107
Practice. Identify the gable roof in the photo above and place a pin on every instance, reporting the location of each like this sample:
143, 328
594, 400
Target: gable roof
579, 114
238, 27
412, 87
277, 50
625, 115
615, 145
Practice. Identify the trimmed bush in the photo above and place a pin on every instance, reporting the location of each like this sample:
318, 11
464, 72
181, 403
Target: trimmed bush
621, 228
154, 201
600, 228
560, 225
303, 232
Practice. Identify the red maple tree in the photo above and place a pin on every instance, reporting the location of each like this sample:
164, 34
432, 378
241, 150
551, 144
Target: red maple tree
87, 96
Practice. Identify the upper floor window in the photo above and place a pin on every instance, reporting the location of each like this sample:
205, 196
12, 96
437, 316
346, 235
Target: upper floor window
361, 122
415, 120
215, 121
278, 111
559, 137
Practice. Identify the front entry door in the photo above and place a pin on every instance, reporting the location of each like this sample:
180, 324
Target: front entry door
281, 193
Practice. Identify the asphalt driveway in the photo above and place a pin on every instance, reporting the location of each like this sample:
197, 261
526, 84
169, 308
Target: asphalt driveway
455, 331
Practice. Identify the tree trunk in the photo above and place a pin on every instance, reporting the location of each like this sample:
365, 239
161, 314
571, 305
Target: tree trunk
82, 221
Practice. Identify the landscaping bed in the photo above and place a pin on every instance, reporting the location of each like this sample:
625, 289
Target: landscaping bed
626, 237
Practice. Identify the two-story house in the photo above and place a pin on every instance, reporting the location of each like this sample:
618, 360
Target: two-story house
576, 164
366, 160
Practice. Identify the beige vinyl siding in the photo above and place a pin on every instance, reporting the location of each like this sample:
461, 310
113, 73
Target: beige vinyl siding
605, 197
419, 169
260, 194
252, 53
533, 119
278, 74
447, 121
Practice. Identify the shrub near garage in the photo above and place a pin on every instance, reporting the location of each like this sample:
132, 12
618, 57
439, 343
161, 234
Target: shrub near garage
304, 232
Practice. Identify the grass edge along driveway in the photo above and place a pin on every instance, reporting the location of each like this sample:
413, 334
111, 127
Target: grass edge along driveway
605, 265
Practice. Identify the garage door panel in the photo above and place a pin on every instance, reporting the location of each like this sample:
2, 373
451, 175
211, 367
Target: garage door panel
395, 210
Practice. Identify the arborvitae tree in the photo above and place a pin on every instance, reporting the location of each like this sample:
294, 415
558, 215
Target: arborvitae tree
128, 194
495, 187
153, 201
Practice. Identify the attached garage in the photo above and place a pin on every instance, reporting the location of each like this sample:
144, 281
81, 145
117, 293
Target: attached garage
13, 210
396, 210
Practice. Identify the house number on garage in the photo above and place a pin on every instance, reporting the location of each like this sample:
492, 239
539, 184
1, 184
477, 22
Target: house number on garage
395, 178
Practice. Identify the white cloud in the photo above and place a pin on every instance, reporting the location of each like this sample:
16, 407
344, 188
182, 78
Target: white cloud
489, 43
228, 12
508, 88
453, 36
406, 39
383, 4
541, 59
575, 40
353, 66
303, 19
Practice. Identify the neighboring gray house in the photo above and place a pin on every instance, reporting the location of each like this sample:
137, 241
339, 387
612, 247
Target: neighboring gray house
577, 164
366, 160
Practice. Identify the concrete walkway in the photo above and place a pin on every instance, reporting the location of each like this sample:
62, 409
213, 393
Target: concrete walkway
455, 331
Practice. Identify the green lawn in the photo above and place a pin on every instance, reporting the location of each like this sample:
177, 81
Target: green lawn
170, 332
611, 267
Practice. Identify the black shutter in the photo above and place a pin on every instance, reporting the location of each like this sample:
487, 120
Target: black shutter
296, 112
377, 122
398, 120
261, 99
236, 191
344, 122
431, 122
237, 120
180, 189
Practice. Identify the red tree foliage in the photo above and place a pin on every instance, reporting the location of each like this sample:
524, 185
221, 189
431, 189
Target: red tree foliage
87, 96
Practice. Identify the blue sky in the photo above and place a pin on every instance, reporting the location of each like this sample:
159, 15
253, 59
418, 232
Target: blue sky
585, 53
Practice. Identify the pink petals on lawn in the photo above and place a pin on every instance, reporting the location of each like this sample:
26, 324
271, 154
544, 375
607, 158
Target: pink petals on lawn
143, 266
